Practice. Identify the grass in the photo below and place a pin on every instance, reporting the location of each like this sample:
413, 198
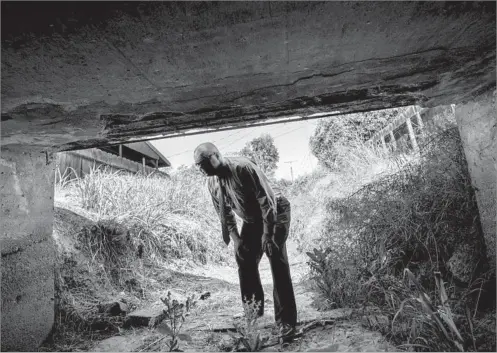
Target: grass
386, 215
156, 212
137, 226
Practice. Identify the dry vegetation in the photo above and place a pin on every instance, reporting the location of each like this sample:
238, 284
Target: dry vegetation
404, 243
116, 234
381, 231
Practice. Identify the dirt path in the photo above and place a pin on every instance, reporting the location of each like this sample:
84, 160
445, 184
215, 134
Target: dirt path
210, 323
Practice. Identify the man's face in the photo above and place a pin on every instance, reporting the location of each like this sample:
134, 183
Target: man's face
206, 167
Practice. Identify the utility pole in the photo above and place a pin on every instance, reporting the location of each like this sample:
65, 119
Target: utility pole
291, 169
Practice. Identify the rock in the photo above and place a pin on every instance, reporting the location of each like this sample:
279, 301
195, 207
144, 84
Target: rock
205, 295
374, 320
102, 325
114, 308
150, 317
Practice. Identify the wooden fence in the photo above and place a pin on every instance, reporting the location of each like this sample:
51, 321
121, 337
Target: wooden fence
79, 163
414, 125
404, 118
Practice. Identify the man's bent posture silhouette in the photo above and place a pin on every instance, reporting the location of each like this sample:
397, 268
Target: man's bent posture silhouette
236, 184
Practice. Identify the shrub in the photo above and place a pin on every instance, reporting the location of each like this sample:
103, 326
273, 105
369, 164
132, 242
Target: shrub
413, 219
157, 213
346, 130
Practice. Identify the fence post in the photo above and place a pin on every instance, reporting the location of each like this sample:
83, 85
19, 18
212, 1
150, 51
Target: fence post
393, 141
419, 120
143, 163
383, 143
412, 136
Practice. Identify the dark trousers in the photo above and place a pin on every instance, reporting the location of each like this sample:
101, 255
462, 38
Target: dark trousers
249, 257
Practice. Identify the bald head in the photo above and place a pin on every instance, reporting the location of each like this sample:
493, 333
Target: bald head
204, 151
208, 159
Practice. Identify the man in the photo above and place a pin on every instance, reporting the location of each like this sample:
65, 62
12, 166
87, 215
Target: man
238, 185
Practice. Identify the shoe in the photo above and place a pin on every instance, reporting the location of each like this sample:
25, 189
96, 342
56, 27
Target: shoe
283, 330
287, 331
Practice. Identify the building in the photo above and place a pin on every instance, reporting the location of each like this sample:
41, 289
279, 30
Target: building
136, 157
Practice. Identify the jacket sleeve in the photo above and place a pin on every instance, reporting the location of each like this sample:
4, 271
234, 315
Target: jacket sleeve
214, 190
263, 194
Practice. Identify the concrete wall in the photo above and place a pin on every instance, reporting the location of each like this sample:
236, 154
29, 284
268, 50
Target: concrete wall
26, 185
477, 121
161, 68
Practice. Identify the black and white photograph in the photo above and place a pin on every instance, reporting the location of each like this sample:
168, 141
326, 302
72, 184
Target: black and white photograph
248, 176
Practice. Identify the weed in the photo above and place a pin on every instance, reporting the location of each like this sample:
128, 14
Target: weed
248, 331
175, 314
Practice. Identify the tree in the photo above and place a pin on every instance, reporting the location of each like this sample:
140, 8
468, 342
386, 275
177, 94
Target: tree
263, 152
347, 130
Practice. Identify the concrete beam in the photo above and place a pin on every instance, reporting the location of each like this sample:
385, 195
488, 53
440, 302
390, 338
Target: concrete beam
28, 252
80, 76
477, 123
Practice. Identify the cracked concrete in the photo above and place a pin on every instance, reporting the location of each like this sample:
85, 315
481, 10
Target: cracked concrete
185, 66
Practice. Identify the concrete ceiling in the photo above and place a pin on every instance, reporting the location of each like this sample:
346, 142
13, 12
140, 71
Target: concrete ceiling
77, 75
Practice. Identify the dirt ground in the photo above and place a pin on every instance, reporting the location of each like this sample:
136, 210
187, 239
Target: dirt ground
210, 324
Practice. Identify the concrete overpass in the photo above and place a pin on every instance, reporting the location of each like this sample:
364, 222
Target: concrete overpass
78, 75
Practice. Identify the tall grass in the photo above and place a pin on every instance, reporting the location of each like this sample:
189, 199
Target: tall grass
384, 215
157, 211
355, 165
137, 225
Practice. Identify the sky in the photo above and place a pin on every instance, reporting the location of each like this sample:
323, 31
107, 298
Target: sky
291, 139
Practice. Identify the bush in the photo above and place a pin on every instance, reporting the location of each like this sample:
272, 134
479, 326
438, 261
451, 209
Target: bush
157, 212
347, 130
414, 219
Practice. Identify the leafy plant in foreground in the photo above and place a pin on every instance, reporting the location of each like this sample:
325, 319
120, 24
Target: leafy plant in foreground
247, 330
439, 318
175, 315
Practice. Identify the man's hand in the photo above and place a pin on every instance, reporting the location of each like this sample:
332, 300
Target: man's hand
267, 245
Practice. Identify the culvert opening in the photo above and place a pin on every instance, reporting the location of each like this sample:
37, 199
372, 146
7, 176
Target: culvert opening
371, 195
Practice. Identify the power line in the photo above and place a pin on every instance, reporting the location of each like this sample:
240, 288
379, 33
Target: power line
250, 132
227, 143
215, 141
286, 133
